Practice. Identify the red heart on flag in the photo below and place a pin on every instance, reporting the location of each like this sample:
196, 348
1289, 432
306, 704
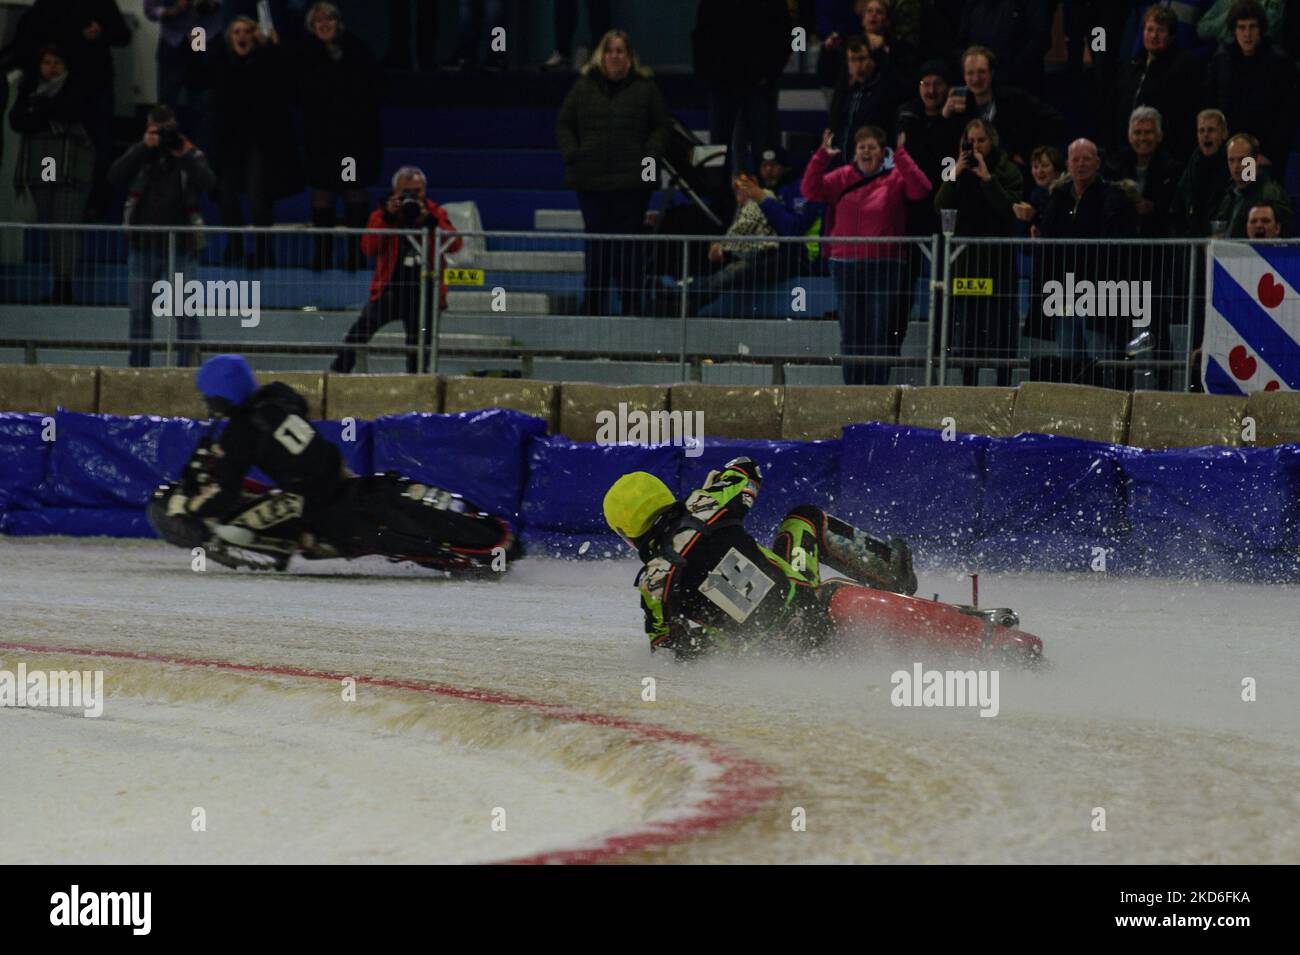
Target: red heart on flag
1272, 385
1243, 365
1270, 291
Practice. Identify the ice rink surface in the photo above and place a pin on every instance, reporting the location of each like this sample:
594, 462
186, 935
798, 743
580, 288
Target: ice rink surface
506, 720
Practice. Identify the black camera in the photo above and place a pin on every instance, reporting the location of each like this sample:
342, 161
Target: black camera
169, 138
410, 206
967, 147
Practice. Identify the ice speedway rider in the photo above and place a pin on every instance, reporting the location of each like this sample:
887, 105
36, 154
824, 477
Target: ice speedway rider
707, 584
319, 509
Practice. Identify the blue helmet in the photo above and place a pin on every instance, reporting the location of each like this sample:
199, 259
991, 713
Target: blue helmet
226, 382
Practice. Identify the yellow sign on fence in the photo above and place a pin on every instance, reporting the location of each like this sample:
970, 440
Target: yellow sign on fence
972, 286
462, 276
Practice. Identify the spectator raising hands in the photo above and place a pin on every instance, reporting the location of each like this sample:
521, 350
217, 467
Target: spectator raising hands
868, 197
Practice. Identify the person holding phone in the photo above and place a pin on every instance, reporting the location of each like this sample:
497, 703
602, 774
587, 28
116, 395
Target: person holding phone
165, 176
983, 189
1024, 120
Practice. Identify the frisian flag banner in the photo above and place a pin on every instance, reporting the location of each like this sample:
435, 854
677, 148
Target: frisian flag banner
1252, 324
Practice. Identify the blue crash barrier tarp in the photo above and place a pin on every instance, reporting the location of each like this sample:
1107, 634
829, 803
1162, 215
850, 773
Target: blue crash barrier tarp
1048, 501
106, 461
24, 450
481, 455
980, 503
562, 500
1228, 512
911, 482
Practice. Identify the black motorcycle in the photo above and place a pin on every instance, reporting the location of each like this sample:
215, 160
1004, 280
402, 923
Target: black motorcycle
378, 514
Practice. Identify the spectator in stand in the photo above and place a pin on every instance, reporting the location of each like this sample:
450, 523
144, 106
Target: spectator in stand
1217, 24
875, 25
566, 24
742, 258
868, 95
1155, 175
1204, 179
1025, 120
257, 154
787, 210
739, 48
51, 113
838, 21
1045, 168
879, 29
1161, 77
868, 197
928, 136
181, 68
1082, 205
611, 121
86, 31
401, 32
340, 87
1018, 33
984, 190
470, 40
1263, 223
1189, 14
164, 176
1152, 169
1255, 86
400, 267
1203, 183
1243, 192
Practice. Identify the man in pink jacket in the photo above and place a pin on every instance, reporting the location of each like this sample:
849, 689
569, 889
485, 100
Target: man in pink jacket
866, 198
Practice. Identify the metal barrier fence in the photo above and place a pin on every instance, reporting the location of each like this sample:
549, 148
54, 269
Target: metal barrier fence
737, 309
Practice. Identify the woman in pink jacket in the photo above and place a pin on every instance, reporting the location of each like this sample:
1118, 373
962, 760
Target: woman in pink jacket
866, 198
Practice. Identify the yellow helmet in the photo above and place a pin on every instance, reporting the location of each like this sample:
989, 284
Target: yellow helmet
633, 502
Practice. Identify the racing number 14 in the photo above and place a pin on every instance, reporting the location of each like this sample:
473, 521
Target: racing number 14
736, 585
294, 433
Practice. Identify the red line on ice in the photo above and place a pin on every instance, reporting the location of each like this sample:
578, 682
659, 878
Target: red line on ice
740, 790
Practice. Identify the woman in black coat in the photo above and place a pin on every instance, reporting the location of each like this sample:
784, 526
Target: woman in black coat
613, 119
52, 112
257, 154
340, 90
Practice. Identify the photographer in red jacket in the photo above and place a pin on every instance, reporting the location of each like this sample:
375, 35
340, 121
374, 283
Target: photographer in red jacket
395, 285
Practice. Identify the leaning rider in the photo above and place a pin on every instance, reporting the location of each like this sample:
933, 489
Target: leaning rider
319, 506
266, 427
706, 583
